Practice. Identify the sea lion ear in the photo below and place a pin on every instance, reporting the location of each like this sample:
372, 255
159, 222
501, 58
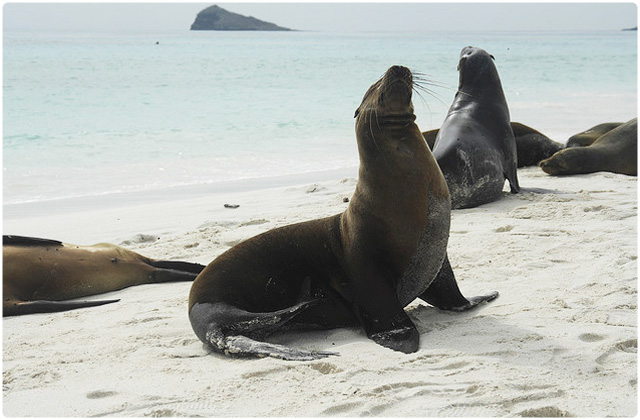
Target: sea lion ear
492, 57
357, 112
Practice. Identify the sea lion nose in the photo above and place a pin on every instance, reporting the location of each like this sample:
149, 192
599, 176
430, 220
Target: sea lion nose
399, 71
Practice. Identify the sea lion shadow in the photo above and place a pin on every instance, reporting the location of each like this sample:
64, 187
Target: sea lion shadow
473, 333
479, 334
509, 201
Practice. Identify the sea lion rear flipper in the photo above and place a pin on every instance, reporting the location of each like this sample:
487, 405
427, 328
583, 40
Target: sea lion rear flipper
47, 306
444, 293
512, 177
28, 241
169, 271
227, 329
179, 266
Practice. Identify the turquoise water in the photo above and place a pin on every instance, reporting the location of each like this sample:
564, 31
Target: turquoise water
88, 114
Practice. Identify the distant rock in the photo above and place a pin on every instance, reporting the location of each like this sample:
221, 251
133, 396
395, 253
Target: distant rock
215, 18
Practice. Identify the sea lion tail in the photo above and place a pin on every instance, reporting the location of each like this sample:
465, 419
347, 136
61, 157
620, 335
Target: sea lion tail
227, 329
47, 306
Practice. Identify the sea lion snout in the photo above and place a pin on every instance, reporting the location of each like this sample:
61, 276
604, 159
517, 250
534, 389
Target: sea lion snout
389, 99
554, 165
395, 93
399, 72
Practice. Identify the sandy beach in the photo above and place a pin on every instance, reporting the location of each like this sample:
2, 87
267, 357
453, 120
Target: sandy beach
561, 339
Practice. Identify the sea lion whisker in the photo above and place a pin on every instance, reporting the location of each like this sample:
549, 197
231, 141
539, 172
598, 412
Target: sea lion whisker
375, 114
424, 102
418, 77
418, 88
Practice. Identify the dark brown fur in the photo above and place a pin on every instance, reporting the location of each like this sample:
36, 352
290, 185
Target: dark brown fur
346, 269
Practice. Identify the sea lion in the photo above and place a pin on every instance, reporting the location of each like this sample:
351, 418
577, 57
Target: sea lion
532, 146
616, 151
587, 137
362, 266
38, 275
475, 147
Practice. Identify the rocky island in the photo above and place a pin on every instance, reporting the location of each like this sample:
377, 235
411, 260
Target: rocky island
215, 18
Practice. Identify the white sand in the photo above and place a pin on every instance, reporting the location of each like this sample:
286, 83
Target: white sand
560, 340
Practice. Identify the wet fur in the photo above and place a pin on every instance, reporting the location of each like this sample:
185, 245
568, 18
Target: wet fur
475, 146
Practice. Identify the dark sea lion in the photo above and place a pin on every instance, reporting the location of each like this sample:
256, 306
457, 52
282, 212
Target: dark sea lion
475, 147
532, 146
38, 275
362, 266
616, 151
587, 137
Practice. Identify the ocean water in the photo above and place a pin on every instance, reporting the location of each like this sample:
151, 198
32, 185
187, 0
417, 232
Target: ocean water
88, 114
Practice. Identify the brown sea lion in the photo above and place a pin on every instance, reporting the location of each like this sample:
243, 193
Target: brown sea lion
532, 146
475, 147
616, 151
39, 275
587, 137
362, 266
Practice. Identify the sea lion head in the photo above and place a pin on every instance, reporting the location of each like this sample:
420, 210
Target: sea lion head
387, 103
390, 143
560, 163
477, 69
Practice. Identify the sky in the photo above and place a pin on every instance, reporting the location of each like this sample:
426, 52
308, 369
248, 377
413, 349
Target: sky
334, 16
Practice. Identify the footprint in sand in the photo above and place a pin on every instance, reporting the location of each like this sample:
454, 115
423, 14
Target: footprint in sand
627, 346
549, 411
325, 368
336, 410
590, 338
100, 394
140, 238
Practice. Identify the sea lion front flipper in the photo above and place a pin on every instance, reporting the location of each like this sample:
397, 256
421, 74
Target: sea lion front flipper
47, 306
444, 293
399, 334
228, 329
377, 308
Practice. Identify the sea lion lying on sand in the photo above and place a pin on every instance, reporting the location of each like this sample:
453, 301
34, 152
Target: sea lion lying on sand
615, 151
39, 275
587, 137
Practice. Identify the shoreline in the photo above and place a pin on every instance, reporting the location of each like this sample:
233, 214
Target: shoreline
167, 194
134, 217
